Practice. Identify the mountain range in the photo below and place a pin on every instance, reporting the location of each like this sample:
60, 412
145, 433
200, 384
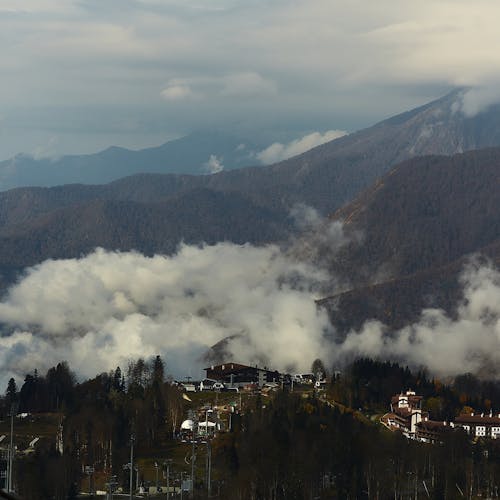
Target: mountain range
414, 186
202, 152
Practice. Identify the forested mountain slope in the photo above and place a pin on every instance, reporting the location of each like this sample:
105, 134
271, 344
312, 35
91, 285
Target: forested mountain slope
425, 214
420, 224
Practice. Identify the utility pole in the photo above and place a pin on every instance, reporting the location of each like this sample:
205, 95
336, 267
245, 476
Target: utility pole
167, 462
209, 471
131, 479
193, 450
13, 410
208, 464
193, 457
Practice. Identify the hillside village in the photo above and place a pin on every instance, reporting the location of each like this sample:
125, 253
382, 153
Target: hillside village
406, 416
208, 412
211, 411
235, 377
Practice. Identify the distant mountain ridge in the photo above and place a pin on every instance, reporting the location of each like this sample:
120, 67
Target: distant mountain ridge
188, 155
154, 212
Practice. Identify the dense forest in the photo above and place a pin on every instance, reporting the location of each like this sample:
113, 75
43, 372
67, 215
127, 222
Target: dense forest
286, 444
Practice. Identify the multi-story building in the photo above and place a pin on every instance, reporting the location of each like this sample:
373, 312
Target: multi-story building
237, 375
431, 431
405, 414
487, 426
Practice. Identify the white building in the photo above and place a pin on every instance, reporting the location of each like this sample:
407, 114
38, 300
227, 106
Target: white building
487, 426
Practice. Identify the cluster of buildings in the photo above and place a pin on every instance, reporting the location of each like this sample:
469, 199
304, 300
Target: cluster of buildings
236, 377
407, 416
243, 376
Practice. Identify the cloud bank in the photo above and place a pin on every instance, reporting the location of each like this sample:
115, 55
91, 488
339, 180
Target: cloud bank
470, 343
99, 311
103, 309
84, 68
278, 151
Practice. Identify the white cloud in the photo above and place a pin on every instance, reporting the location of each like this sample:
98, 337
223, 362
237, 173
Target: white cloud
246, 84
232, 85
446, 346
98, 311
214, 165
291, 64
478, 99
176, 92
278, 151
35, 6
46, 150
318, 242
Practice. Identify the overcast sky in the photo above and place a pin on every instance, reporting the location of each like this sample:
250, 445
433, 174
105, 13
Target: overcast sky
79, 75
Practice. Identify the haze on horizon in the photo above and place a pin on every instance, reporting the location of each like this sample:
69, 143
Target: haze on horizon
78, 75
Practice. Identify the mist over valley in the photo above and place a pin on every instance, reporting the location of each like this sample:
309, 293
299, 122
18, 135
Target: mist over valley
390, 274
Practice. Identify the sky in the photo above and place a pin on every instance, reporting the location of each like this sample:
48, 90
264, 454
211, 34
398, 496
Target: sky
79, 75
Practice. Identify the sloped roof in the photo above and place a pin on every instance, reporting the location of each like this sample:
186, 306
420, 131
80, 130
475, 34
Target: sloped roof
478, 419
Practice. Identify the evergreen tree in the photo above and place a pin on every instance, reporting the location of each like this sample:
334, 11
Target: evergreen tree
158, 370
11, 393
117, 379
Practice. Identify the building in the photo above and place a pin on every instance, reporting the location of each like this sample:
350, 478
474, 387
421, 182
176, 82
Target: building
237, 375
405, 414
486, 426
431, 431
409, 400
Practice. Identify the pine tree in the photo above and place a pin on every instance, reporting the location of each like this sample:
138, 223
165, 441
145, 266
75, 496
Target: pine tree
158, 370
11, 392
117, 379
